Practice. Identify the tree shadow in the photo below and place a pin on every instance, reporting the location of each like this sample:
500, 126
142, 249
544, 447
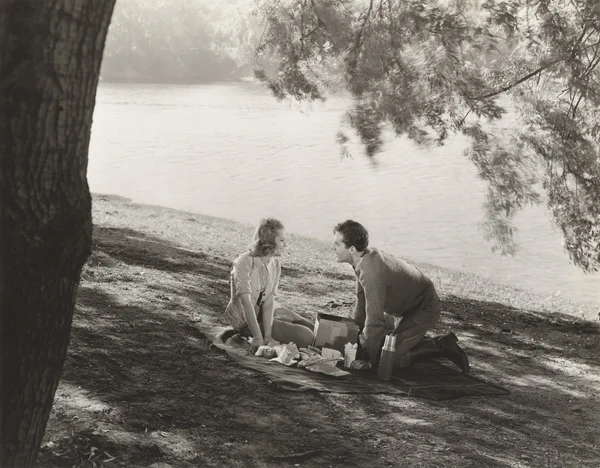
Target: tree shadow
139, 369
164, 393
143, 384
549, 363
138, 249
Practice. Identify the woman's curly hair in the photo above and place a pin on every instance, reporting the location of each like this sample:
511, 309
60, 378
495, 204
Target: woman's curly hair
263, 242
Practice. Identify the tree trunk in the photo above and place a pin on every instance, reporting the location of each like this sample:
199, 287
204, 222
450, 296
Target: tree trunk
50, 56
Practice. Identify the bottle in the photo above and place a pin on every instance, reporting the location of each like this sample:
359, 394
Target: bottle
386, 363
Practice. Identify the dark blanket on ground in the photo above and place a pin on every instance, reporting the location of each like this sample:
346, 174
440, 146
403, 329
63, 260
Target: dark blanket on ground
430, 380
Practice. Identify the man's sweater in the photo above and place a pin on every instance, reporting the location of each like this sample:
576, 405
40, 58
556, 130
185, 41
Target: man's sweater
386, 284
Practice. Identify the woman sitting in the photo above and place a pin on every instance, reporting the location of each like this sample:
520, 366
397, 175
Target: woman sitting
252, 310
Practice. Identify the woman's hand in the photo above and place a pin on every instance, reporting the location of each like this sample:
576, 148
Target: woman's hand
360, 365
256, 342
269, 341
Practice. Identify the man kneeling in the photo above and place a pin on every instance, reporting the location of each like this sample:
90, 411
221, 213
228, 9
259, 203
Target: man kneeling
393, 296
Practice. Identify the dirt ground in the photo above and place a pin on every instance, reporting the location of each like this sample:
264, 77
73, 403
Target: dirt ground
142, 387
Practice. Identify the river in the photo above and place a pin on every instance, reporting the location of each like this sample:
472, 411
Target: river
230, 150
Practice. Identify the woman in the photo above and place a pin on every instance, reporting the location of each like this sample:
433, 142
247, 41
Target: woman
252, 310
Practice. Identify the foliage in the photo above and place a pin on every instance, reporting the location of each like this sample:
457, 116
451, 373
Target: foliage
431, 70
183, 40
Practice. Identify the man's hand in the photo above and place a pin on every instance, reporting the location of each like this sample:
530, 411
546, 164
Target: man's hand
361, 340
360, 365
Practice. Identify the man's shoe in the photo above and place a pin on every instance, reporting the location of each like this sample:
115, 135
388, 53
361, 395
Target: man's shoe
448, 344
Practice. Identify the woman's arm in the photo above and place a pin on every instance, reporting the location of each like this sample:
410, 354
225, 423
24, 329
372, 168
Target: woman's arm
251, 320
242, 284
268, 306
268, 310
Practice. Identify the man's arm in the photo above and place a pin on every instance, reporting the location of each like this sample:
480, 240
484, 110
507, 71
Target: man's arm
374, 286
359, 306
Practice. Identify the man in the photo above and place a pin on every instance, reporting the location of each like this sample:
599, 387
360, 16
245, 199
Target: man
393, 296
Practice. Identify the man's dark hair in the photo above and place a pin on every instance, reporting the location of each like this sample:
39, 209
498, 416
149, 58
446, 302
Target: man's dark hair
354, 234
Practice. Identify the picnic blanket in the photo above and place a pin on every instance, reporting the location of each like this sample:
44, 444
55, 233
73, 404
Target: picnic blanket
429, 380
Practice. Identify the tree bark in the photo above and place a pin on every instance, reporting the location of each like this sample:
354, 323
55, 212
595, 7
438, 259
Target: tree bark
50, 56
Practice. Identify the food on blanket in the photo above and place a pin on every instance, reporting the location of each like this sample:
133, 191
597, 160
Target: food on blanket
328, 369
285, 358
309, 352
261, 350
314, 360
271, 352
290, 347
266, 351
330, 353
303, 362
293, 349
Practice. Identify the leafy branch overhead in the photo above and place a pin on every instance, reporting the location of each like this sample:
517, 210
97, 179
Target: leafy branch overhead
431, 70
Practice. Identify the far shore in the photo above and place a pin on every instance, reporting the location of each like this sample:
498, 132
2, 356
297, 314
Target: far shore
174, 80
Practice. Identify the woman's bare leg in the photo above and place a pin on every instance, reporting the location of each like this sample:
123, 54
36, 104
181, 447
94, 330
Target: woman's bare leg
286, 315
287, 332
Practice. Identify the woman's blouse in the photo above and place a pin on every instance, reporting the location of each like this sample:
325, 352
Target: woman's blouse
250, 275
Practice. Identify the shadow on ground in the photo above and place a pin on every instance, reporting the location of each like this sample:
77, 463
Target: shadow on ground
141, 385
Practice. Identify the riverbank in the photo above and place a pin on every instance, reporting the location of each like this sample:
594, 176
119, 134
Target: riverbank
141, 385
177, 81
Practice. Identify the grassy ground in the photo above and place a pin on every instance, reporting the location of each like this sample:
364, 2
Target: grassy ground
142, 387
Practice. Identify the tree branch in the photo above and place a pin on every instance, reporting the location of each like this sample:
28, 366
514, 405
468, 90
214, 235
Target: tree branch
576, 105
506, 88
379, 9
302, 28
391, 28
592, 65
519, 81
532, 74
522, 80
262, 35
320, 22
586, 181
360, 36
342, 4
312, 31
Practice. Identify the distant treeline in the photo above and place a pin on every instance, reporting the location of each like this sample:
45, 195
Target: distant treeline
180, 41
187, 41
